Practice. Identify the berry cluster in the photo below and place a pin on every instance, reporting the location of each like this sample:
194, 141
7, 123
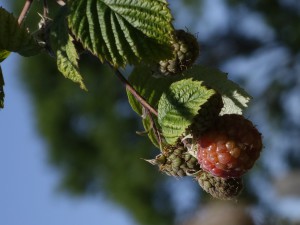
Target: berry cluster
225, 151
216, 150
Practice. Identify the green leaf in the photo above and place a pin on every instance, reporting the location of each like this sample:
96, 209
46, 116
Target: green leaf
15, 38
235, 98
1, 89
4, 54
123, 32
64, 48
68, 69
151, 89
149, 129
179, 105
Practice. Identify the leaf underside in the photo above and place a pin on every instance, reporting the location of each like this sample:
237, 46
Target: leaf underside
123, 32
15, 38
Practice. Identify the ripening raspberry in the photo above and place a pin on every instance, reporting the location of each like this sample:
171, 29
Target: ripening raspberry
230, 147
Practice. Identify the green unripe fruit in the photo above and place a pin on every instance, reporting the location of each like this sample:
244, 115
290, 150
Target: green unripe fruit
185, 52
176, 161
221, 188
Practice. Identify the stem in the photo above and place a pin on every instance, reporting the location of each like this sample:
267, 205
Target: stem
138, 97
156, 131
24, 11
45, 9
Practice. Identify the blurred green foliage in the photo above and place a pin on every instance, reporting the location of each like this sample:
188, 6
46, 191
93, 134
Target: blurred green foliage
91, 137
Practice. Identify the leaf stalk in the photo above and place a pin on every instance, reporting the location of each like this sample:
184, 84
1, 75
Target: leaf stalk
131, 89
24, 11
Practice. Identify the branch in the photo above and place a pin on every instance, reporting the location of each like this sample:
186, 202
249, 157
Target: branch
138, 97
24, 11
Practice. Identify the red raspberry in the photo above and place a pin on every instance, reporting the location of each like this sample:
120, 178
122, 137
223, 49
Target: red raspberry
230, 147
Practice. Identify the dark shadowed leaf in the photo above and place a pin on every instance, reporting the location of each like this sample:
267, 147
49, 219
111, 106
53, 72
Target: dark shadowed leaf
15, 38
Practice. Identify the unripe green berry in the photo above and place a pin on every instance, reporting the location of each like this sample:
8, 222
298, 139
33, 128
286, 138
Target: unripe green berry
185, 52
221, 188
176, 161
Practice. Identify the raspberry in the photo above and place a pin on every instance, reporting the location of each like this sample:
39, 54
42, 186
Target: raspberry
230, 147
186, 51
218, 187
175, 161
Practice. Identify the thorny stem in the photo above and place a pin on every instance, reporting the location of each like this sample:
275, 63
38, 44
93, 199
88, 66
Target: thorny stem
138, 97
24, 11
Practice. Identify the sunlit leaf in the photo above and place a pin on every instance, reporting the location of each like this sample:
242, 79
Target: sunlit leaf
234, 97
64, 48
4, 54
123, 32
179, 105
